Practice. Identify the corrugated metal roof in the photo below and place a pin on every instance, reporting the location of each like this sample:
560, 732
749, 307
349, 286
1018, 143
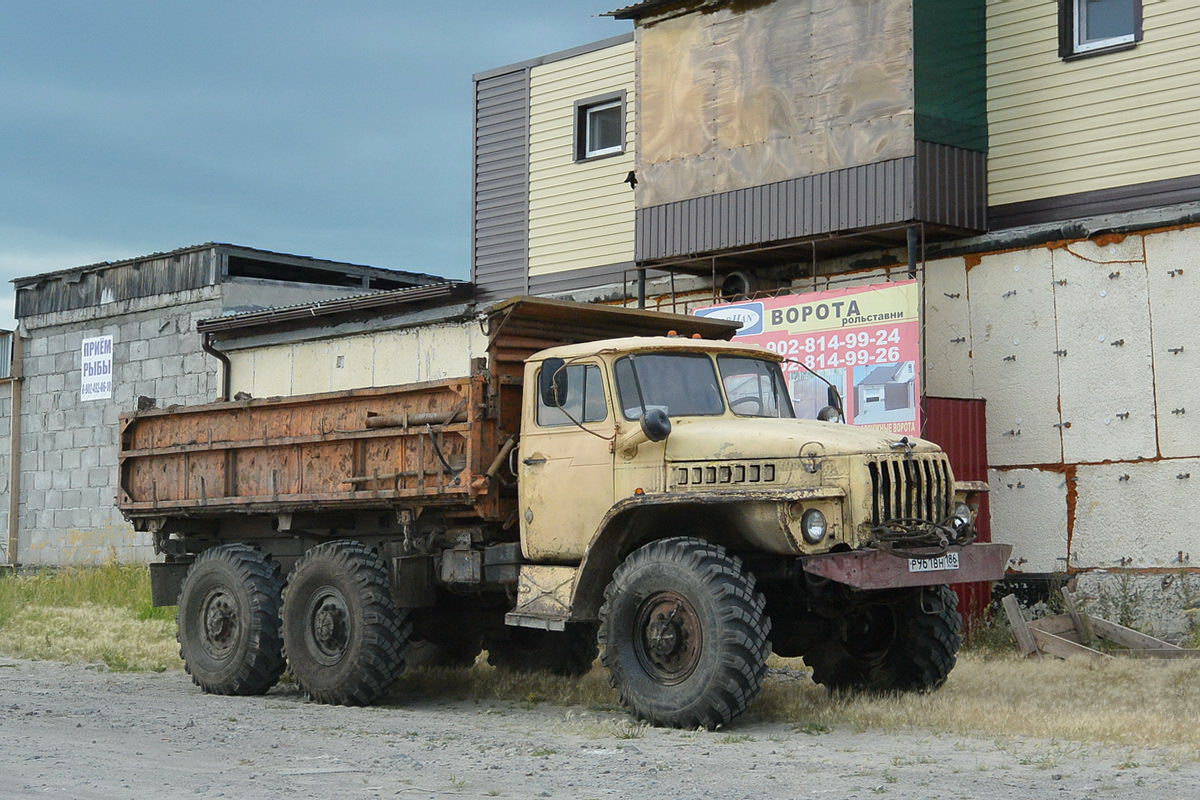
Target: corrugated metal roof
341, 305
636, 10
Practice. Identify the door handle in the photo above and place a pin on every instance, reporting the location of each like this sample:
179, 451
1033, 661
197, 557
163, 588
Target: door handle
529, 462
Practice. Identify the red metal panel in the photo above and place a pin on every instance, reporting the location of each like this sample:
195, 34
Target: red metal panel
959, 426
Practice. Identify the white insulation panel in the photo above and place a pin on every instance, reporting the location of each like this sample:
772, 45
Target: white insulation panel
1029, 511
1106, 382
1144, 520
1174, 277
947, 329
1015, 369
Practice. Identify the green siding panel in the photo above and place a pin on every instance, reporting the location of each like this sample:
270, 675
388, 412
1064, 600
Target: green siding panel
950, 72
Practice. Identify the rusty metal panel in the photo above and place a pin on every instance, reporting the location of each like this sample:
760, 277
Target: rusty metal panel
278, 454
877, 569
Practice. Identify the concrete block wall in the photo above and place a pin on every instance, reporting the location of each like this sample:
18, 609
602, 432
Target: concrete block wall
68, 471
5, 483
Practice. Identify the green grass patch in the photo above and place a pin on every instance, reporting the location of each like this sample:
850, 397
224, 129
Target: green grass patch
89, 615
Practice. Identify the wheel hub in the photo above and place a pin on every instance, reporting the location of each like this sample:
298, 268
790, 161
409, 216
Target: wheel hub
220, 619
669, 639
329, 625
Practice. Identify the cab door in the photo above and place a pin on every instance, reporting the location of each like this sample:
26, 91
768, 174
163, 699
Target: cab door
566, 464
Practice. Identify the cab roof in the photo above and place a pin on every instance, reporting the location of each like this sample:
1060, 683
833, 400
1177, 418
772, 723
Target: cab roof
655, 343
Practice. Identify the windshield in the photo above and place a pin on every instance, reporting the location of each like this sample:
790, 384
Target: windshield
681, 384
755, 387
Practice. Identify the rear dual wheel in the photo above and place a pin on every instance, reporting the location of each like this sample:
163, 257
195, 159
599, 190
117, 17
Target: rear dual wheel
229, 629
343, 635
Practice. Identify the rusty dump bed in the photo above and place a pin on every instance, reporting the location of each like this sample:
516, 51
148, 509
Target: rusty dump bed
426, 443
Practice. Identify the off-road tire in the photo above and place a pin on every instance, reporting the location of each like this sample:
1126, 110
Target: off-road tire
343, 636
916, 657
569, 653
228, 621
424, 653
684, 634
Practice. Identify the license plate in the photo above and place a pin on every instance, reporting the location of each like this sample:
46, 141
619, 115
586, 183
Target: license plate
935, 564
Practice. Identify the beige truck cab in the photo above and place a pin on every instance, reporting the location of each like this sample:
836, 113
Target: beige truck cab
668, 489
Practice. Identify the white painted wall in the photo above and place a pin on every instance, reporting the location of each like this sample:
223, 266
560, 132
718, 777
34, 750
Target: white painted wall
384, 358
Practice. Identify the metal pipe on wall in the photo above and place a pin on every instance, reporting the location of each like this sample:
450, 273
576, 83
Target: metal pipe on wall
226, 367
14, 446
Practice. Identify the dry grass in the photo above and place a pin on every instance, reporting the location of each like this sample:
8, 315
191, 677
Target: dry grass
1125, 702
103, 615
87, 615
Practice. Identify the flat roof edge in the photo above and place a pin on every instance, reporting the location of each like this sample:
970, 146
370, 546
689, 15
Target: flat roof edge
550, 58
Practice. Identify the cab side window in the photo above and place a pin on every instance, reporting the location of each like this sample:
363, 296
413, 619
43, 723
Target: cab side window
584, 402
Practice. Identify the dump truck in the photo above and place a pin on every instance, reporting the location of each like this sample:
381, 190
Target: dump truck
606, 480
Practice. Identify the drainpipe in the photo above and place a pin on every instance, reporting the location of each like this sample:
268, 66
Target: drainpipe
914, 244
226, 367
641, 286
14, 445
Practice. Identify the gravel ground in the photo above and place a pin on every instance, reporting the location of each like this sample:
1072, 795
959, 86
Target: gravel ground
80, 732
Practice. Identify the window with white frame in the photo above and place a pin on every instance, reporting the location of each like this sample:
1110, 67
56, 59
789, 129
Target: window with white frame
600, 126
1090, 26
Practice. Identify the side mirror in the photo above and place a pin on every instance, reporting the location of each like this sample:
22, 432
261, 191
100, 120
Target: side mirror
834, 399
656, 425
552, 383
829, 414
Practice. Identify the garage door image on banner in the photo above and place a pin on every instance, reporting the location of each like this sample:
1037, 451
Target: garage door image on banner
864, 340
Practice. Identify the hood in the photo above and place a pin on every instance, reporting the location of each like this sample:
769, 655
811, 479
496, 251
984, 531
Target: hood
724, 438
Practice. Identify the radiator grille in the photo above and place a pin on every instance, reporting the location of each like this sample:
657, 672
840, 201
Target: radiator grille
916, 487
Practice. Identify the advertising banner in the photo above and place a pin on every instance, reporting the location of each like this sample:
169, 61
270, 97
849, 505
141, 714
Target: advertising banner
95, 376
865, 340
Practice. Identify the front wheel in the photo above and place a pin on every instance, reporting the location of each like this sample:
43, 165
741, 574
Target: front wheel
342, 633
684, 634
908, 645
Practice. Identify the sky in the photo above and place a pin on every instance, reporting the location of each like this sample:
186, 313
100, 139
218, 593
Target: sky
339, 129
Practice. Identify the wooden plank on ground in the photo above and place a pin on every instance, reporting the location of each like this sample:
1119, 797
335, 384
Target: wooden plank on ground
1059, 624
1064, 648
1177, 652
1083, 623
1128, 637
1020, 628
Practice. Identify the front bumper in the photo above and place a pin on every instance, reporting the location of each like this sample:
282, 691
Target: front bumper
877, 569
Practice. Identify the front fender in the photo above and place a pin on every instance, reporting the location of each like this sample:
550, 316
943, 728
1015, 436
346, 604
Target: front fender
759, 522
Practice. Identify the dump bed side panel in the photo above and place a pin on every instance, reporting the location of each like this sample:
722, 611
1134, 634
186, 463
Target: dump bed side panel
419, 444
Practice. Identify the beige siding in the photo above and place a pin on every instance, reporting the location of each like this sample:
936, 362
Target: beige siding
386, 358
1110, 120
580, 214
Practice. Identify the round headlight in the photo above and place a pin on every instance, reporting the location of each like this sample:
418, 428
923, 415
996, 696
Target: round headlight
962, 515
813, 526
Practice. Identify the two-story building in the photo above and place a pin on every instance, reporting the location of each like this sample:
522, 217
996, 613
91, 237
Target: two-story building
1035, 165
